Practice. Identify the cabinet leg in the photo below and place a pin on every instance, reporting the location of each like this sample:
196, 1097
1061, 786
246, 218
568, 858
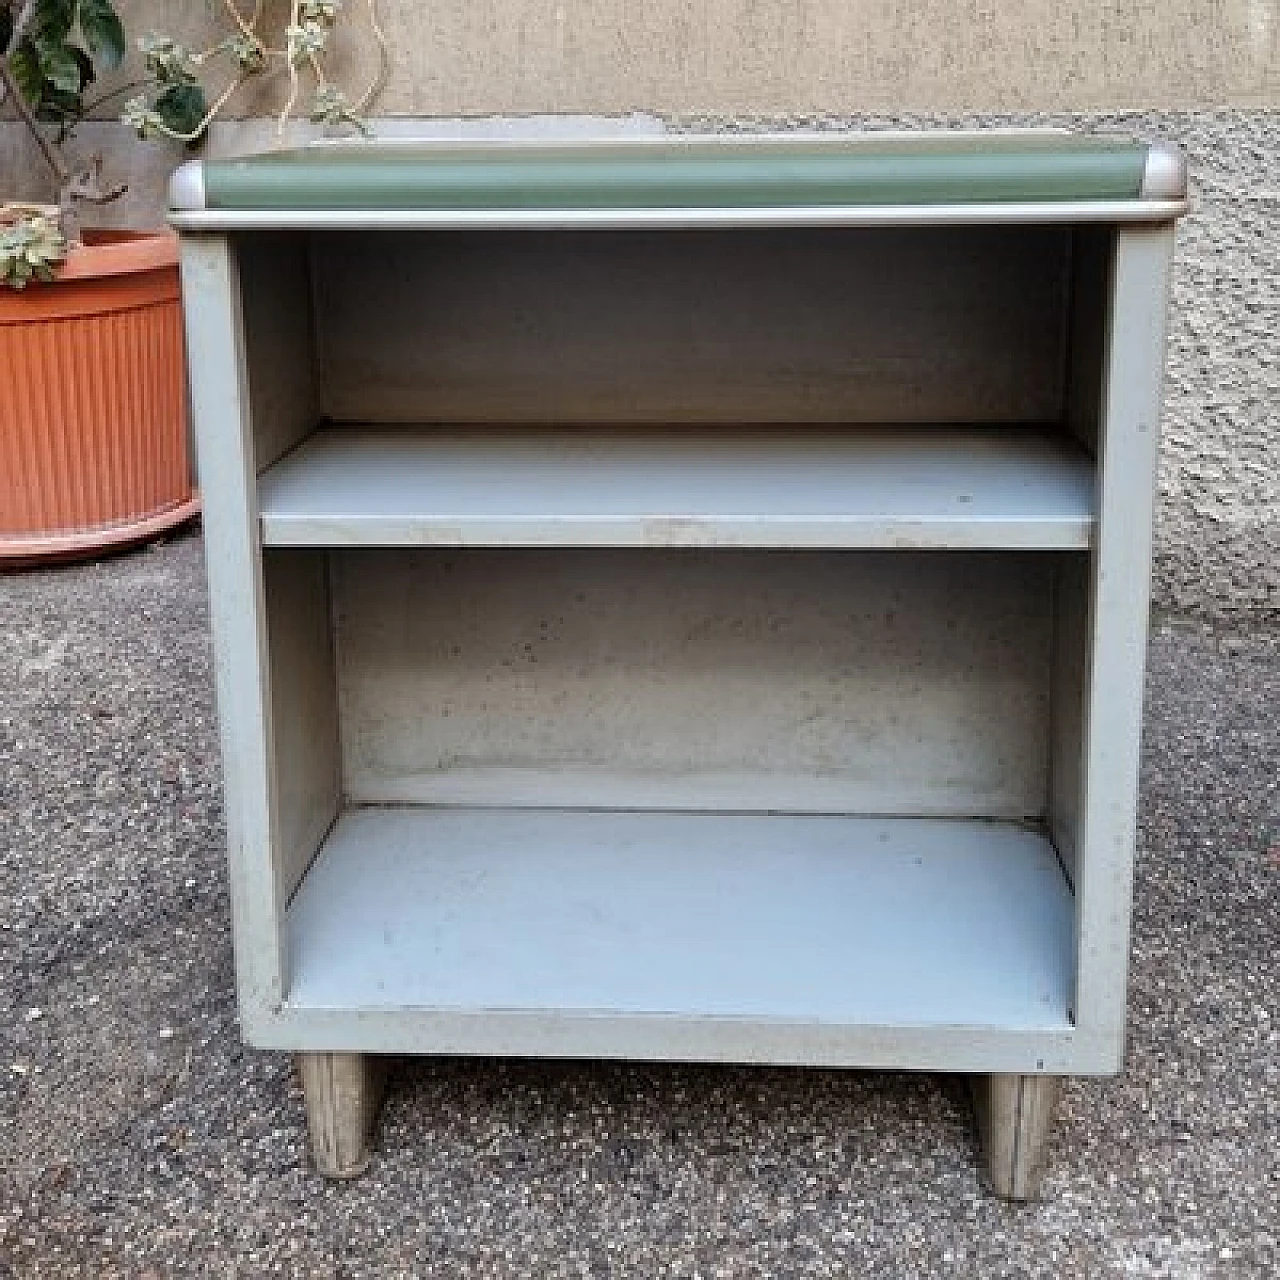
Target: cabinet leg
1014, 1113
342, 1092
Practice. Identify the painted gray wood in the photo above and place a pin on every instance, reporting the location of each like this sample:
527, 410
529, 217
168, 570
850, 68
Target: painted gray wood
894, 325
609, 724
222, 412
307, 762
892, 682
252, 399
275, 286
1120, 601
1092, 258
858, 922
684, 1038
1071, 637
1035, 214
792, 487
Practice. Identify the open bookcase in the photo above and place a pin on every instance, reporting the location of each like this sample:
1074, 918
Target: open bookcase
702, 625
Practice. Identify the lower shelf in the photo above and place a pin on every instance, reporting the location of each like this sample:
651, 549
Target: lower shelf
846, 922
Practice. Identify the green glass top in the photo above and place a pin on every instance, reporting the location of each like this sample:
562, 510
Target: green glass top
704, 173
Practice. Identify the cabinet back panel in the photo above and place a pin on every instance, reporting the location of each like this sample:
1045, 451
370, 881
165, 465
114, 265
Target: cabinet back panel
883, 325
810, 682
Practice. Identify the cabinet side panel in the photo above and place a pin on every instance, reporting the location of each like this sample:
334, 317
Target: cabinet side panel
1092, 256
279, 340
224, 420
886, 325
806, 682
303, 706
1120, 600
1093, 249
1070, 660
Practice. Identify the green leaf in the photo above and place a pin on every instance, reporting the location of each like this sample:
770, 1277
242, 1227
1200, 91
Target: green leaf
88, 73
103, 32
60, 67
182, 107
60, 107
53, 21
25, 65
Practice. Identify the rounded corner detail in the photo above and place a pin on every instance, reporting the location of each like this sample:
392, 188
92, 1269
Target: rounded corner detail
1164, 177
186, 186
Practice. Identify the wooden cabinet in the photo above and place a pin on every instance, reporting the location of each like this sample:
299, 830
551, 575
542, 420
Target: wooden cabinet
688, 621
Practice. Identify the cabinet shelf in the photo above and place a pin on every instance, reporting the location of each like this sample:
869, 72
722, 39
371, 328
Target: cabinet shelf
1010, 488
516, 918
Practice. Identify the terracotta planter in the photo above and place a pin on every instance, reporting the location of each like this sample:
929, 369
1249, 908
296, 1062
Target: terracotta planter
93, 422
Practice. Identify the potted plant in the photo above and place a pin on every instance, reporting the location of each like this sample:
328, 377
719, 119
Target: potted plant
93, 435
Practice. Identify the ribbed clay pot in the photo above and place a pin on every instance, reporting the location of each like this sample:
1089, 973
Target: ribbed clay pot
93, 422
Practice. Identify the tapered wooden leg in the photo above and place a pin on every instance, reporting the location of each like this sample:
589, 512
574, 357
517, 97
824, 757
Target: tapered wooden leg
343, 1092
1014, 1114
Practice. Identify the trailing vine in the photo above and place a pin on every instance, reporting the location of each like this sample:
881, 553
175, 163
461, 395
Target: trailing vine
177, 105
53, 51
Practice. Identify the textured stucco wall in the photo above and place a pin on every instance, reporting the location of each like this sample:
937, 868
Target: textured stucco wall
1218, 534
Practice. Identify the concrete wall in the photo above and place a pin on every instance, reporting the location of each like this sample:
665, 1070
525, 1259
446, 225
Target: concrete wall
463, 57
1203, 72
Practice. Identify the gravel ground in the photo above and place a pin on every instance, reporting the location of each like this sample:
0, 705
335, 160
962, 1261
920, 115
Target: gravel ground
142, 1140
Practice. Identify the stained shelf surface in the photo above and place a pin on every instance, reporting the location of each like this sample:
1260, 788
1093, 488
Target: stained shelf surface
1011, 488
836, 920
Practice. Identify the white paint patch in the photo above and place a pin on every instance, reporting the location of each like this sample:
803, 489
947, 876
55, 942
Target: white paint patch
49, 654
1164, 1257
1261, 18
